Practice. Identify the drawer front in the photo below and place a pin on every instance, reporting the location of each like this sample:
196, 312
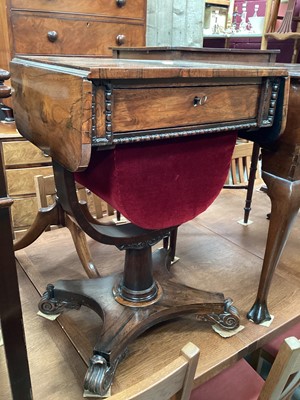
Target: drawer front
39, 35
23, 212
23, 153
116, 8
142, 109
21, 181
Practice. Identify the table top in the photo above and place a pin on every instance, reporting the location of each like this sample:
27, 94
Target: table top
293, 69
110, 68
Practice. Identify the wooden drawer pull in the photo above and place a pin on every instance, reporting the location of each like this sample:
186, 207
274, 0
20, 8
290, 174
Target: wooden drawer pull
4, 75
120, 39
52, 36
5, 91
199, 101
121, 3
5, 202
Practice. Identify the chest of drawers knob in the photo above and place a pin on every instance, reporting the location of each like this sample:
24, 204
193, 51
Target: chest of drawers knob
52, 36
121, 3
120, 40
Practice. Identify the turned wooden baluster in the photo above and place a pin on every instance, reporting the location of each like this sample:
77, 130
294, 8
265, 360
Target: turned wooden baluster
286, 25
284, 31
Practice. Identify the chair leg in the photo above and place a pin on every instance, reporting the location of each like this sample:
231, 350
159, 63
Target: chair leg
251, 181
82, 248
169, 243
255, 360
44, 218
54, 215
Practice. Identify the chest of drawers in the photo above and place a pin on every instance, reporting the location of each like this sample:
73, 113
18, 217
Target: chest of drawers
67, 27
76, 28
22, 162
57, 27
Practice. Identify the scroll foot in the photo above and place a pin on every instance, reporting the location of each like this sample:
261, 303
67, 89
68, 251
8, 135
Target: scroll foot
99, 376
50, 305
229, 319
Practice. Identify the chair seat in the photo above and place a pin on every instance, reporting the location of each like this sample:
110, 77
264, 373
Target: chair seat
272, 347
164, 183
238, 382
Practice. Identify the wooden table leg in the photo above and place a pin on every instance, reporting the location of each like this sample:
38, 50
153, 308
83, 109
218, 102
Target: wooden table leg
285, 200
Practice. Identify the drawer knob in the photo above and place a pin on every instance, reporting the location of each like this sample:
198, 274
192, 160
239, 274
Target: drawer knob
5, 91
121, 3
120, 39
52, 36
199, 101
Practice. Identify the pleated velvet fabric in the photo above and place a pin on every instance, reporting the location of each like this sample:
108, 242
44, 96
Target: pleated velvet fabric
163, 183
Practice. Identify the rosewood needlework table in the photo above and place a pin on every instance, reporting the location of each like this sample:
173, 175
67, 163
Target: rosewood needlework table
154, 139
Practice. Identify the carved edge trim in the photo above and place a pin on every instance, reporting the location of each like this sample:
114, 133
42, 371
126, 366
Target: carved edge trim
272, 104
108, 108
168, 135
147, 243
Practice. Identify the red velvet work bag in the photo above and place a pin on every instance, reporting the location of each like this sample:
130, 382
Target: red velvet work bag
163, 183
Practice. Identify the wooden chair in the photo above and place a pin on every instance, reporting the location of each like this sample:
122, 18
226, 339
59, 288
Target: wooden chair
270, 350
46, 192
243, 171
241, 381
284, 32
242, 175
50, 213
174, 381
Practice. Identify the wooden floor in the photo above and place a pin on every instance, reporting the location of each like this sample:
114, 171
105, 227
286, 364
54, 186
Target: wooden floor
216, 254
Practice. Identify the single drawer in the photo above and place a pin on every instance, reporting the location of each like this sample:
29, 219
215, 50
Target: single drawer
41, 35
21, 181
154, 108
23, 153
23, 212
117, 8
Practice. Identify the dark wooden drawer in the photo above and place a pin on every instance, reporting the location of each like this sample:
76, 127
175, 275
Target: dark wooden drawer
117, 8
82, 36
155, 108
